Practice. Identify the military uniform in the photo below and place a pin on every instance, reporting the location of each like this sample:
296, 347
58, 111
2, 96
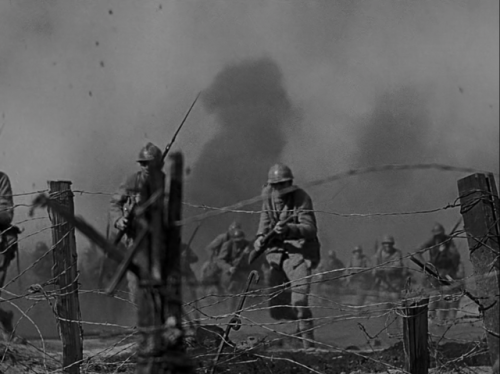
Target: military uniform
359, 277
8, 243
210, 271
293, 253
388, 270
444, 255
135, 190
233, 263
333, 267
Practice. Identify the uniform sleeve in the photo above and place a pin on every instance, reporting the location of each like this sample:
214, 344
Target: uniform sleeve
6, 201
305, 228
216, 244
224, 257
119, 199
265, 214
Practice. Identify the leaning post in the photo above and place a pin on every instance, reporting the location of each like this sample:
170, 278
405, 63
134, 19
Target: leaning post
481, 212
66, 273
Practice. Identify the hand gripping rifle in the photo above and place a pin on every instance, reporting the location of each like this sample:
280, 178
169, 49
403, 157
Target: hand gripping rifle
266, 241
130, 212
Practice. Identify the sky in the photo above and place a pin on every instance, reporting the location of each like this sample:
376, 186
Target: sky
321, 85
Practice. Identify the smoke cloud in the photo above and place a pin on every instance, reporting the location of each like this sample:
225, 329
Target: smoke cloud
252, 108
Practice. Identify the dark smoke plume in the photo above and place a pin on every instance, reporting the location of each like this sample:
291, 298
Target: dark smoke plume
396, 133
252, 107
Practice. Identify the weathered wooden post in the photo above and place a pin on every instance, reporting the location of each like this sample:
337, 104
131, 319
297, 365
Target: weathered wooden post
481, 212
176, 354
66, 272
415, 330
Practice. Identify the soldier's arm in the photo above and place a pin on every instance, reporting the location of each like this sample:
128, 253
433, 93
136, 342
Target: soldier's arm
214, 246
119, 199
265, 218
224, 258
6, 201
306, 221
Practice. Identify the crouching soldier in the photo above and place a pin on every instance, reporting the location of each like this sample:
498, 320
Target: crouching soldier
210, 272
292, 249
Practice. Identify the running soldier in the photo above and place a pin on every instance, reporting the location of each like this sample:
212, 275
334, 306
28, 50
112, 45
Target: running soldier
294, 249
388, 271
444, 256
210, 274
8, 246
135, 191
359, 277
333, 267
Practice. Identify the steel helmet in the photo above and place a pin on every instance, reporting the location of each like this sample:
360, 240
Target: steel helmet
357, 248
150, 152
234, 225
237, 235
438, 229
388, 239
332, 254
279, 173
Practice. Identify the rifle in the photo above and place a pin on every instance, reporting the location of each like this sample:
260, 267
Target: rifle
129, 213
266, 241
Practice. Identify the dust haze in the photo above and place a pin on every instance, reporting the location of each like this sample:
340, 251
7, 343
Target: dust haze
323, 86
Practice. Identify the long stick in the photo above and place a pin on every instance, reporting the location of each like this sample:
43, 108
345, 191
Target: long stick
169, 145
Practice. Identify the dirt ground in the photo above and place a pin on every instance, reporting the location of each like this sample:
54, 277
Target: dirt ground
104, 355
347, 342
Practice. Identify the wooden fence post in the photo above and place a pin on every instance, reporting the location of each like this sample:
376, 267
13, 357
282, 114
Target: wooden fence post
415, 330
172, 271
481, 212
66, 272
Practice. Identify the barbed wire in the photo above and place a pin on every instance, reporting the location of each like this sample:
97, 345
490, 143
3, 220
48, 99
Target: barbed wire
327, 311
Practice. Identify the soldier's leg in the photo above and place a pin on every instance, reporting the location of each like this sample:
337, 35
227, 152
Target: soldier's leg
133, 287
5, 316
280, 301
299, 274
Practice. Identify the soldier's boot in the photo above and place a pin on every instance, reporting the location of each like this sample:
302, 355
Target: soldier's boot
307, 333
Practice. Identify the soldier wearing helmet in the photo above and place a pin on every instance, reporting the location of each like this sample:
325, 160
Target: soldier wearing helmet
332, 269
136, 190
444, 256
388, 270
210, 272
294, 251
232, 261
358, 275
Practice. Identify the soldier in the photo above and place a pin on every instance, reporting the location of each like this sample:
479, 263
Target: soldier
444, 256
358, 276
232, 262
388, 271
287, 211
8, 246
136, 190
210, 271
333, 268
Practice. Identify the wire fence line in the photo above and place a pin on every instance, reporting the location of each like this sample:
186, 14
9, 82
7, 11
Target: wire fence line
331, 311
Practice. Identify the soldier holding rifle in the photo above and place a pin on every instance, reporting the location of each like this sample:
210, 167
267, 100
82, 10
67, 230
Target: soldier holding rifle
288, 235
